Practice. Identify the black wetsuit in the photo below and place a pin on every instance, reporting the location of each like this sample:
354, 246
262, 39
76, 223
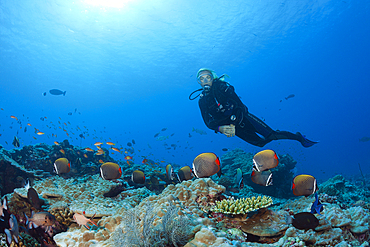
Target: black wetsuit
221, 106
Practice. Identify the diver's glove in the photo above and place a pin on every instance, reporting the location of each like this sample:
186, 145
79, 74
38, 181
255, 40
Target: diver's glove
228, 130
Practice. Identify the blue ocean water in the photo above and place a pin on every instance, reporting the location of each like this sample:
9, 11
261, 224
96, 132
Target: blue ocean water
128, 68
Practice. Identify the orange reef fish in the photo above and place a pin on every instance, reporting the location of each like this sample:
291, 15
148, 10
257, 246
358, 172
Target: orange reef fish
81, 220
265, 160
98, 143
40, 133
110, 143
128, 157
206, 165
56, 143
89, 149
116, 149
14, 117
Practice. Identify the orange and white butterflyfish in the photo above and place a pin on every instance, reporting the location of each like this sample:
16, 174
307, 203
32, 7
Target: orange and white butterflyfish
206, 165
62, 165
304, 185
169, 172
138, 177
265, 160
110, 171
263, 178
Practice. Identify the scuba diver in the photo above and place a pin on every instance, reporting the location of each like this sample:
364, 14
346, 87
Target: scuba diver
224, 112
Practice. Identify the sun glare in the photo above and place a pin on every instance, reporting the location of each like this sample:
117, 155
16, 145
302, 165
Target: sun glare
108, 3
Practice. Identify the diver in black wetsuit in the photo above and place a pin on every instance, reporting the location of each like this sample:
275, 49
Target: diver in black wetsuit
223, 111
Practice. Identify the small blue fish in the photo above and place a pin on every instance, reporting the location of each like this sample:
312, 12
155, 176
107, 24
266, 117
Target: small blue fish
317, 206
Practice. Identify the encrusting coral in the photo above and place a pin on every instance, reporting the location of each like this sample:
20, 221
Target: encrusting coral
242, 205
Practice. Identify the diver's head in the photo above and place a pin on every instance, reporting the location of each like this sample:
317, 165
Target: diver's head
205, 79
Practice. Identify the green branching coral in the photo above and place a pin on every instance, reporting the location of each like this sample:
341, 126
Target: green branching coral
241, 206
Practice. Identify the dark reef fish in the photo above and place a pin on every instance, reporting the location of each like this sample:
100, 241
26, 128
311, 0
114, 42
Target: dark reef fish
303, 221
34, 198
57, 92
13, 231
290, 96
364, 139
16, 142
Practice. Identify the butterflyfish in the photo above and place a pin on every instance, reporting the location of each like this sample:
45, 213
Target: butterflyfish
138, 177
304, 185
265, 160
62, 165
110, 171
206, 165
184, 173
263, 178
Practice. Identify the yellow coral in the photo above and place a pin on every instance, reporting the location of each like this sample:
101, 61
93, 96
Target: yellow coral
241, 206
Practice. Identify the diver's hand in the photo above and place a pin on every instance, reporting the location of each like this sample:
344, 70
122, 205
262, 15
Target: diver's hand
228, 130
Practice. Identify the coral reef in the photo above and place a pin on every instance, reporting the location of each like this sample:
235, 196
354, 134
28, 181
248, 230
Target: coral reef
196, 212
241, 206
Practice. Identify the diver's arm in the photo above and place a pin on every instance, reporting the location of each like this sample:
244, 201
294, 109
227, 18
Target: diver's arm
210, 122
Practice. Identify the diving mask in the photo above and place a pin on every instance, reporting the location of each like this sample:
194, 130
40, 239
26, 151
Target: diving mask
205, 78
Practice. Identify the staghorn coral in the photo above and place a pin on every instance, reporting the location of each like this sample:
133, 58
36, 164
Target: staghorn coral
241, 206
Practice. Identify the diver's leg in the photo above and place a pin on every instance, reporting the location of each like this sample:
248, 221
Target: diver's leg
281, 135
260, 127
270, 135
252, 138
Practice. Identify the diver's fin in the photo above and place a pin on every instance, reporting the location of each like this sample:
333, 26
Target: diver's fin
304, 141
